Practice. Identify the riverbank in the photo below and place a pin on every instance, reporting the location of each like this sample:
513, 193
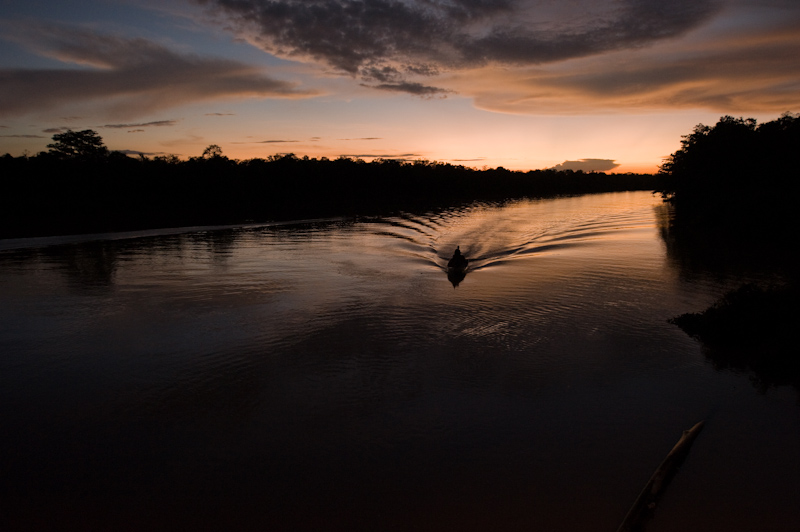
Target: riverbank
47, 196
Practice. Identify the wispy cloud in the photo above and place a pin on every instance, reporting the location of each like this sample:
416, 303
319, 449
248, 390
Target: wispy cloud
157, 123
128, 77
265, 141
757, 72
411, 87
137, 152
588, 165
400, 156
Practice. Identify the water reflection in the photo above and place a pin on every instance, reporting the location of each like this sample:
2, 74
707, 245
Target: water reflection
456, 276
725, 255
746, 329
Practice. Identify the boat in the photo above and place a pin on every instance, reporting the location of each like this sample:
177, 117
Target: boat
457, 268
459, 263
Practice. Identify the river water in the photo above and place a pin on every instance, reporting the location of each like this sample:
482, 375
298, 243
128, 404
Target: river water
327, 375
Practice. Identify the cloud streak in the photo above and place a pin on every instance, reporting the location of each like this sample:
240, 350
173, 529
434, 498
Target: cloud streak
410, 87
126, 77
741, 73
396, 156
587, 165
266, 142
157, 123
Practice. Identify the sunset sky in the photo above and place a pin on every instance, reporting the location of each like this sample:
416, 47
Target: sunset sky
593, 84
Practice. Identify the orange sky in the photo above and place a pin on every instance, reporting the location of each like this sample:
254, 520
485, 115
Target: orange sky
607, 85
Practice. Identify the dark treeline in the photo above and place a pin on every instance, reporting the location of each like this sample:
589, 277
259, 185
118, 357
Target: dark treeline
79, 187
751, 329
733, 188
736, 182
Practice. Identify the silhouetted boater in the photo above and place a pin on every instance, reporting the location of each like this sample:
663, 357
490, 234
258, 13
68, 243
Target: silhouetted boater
458, 262
457, 267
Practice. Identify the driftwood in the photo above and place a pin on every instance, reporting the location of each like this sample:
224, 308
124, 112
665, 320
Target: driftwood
642, 509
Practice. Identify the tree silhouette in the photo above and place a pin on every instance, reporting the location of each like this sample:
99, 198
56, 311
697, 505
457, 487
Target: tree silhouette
212, 152
86, 144
733, 189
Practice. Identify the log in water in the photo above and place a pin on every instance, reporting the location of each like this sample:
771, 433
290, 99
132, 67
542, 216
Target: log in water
642, 509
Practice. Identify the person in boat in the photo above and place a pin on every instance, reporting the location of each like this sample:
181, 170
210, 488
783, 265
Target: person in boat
458, 261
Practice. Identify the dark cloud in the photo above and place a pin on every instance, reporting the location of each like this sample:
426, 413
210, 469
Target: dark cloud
399, 157
385, 41
265, 142
158, 123
137, 153
23, 136
588, 165
220, 114
411, 87
128, 77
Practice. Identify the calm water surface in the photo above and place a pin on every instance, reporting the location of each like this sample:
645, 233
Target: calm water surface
329, 376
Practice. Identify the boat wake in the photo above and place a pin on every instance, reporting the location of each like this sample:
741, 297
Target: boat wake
491, 235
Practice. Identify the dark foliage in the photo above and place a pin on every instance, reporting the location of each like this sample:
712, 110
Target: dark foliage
733, 189
46, 195
85, 145
748, 317
751, 329
736, 180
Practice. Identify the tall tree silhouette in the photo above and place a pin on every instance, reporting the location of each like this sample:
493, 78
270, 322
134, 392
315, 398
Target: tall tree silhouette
736, 159
213, 151
86, 144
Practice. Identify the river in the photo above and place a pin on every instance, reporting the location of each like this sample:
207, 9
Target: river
328, 375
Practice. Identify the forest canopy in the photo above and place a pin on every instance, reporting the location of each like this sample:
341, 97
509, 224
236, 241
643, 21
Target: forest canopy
734, 186
735, 159
79, 186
